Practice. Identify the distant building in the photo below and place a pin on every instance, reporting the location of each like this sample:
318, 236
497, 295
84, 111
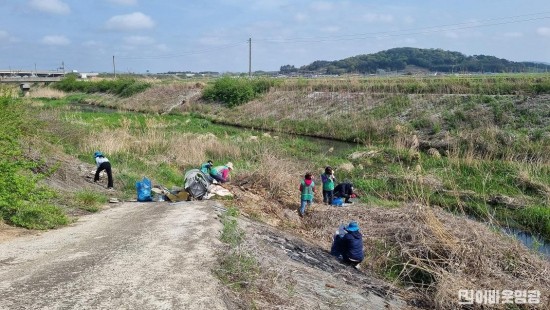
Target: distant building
87, 75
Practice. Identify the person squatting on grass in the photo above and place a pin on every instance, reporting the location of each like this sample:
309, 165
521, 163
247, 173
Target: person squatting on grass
348, 244
328, 185
344, 190
103, 164
221, 173
307, 188
206, 168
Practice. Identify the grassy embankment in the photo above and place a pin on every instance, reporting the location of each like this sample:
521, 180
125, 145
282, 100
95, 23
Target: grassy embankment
23, 202
388, 173
496, 168
492, 133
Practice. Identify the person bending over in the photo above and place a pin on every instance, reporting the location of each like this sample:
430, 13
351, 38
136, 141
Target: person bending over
206, 168
344, 190
103, 164
221, 173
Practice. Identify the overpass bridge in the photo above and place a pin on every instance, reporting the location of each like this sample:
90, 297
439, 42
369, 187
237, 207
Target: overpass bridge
22, 76
23, 80
30, 73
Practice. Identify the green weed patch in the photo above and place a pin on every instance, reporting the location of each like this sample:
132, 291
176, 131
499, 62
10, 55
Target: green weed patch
124, 87
89, 200
22, 201
236, 91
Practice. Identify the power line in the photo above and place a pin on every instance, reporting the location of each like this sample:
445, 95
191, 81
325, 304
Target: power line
424, 30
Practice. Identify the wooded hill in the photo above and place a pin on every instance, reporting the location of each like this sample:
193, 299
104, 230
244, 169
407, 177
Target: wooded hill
433, 60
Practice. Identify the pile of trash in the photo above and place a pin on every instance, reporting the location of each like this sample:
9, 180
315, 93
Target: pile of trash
196, 187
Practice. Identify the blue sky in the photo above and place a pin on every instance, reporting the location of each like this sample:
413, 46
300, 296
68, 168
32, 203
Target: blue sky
211, 35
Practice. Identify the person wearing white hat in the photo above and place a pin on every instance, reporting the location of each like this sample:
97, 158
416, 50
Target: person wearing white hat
221, 173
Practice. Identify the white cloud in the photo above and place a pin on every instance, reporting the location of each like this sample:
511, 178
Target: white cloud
322, 6
91, 43
300, 17
4, 35
55, 40
408, 20
163, 47
544, 31
124, 2
139, 40
375, 18
50, 6
132, 21
513, 34
330, 29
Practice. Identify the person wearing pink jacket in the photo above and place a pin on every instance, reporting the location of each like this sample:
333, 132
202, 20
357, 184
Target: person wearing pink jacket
221, 173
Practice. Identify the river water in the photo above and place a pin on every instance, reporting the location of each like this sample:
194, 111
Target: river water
530, 241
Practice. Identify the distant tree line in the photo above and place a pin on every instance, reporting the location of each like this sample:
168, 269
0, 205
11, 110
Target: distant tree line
434, 60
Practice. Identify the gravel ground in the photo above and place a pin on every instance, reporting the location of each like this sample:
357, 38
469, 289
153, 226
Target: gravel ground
132, 256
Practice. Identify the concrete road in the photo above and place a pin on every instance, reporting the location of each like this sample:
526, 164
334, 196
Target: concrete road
132, 256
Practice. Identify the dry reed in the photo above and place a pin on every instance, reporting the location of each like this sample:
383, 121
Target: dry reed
44, 92
184, 149
448, 253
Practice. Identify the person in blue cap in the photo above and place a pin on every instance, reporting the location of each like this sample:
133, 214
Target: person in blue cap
103, 164
348, 243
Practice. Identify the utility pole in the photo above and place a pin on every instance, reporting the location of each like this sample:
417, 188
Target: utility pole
63, 66
249, 57
114, 68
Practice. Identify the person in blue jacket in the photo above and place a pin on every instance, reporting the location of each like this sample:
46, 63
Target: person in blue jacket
349, 245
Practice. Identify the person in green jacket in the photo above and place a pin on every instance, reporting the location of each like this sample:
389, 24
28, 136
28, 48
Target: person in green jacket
307, 189
205, 168
328, 185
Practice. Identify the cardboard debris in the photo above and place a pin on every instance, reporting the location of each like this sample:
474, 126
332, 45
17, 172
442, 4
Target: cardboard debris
219, 191
179, 196
158, 191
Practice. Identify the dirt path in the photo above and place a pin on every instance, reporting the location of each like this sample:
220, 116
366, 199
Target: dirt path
132, 256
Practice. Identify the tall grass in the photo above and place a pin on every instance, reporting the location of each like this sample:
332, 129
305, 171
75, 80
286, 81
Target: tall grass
488, 85
44, 92
509, 193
